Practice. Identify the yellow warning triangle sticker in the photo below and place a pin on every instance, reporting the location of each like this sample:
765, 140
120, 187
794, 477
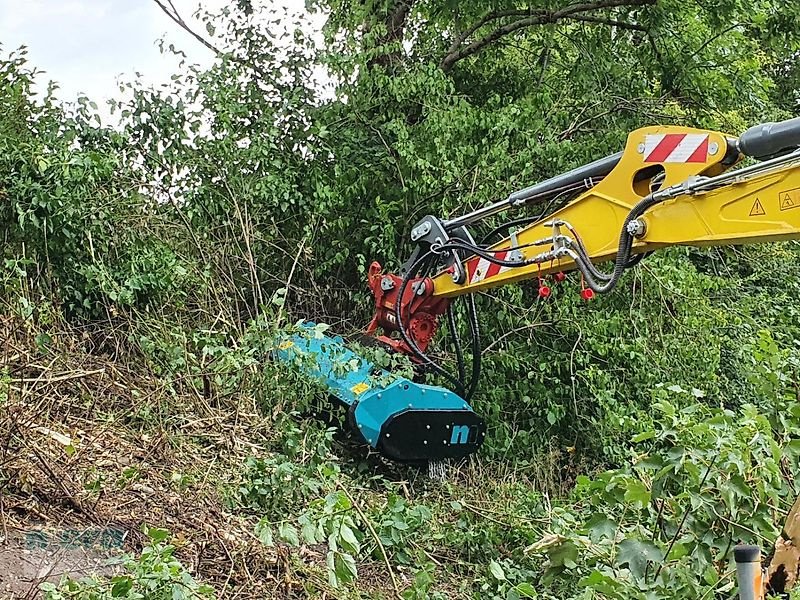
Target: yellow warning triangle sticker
757, 209
787, 202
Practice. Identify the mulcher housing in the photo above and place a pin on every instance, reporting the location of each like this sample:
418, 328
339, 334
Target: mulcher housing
403, 420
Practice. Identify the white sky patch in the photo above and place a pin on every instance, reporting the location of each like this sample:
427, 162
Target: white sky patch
88, 45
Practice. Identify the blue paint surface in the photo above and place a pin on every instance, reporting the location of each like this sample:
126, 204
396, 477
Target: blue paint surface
359, 384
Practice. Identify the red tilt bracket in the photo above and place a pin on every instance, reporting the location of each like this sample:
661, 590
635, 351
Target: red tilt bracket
419, 310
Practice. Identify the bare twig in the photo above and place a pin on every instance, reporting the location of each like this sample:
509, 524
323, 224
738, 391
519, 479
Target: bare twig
57, 378
376, 538
512, 332
683, 521
289, 282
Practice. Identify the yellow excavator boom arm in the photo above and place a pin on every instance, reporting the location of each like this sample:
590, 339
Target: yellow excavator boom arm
704, 202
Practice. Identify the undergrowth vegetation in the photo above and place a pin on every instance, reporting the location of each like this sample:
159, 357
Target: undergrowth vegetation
632, 441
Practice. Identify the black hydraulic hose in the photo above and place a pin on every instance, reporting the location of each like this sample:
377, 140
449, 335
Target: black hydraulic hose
451, 323
407, 339
454, 244
504, 226
476, 348
531, 219
586, 267
623, 251
583, 252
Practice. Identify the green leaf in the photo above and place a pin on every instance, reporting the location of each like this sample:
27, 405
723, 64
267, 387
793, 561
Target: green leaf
288, 533
341, 568
563, 555
497, 571
526, 590
157, 535
637, 493
120, 586
264, 533
349, 538
601, 527
637, 554
641, 437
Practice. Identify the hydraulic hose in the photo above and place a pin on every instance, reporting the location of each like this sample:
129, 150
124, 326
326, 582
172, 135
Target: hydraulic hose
623, 259
407, 339
451, 323
476, 348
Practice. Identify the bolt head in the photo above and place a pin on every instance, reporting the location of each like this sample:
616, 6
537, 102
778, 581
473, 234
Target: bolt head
713, 148
640, 148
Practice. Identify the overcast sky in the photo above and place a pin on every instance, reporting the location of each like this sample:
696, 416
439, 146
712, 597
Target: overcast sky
85, 45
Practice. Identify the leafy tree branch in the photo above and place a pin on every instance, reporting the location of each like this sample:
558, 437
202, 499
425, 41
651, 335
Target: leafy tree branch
458, 51
173, 14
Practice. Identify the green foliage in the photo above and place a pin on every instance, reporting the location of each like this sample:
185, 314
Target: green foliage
154, 575
631, 441
280, 483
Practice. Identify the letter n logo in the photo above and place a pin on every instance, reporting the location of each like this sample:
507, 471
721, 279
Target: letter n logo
460, 434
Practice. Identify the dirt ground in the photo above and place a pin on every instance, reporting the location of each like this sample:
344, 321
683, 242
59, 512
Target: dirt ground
85, 463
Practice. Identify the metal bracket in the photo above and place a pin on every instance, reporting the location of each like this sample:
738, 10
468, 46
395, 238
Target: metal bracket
515, 255
430, 230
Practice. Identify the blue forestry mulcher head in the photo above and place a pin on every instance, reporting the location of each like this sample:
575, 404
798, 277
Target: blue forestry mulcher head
403, 420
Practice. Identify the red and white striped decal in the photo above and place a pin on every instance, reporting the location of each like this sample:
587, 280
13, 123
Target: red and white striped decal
482, 269
676, 148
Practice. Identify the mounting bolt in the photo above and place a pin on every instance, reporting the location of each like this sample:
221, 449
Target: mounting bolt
713, 148
640, 148
387, 284
425, 442
420, 231
387, 435
380, 396
636, 228
427, 426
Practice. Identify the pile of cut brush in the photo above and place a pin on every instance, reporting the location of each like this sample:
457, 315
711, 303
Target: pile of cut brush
99, 456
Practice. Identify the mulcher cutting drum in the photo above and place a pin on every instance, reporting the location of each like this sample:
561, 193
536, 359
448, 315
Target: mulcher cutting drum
403, 420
